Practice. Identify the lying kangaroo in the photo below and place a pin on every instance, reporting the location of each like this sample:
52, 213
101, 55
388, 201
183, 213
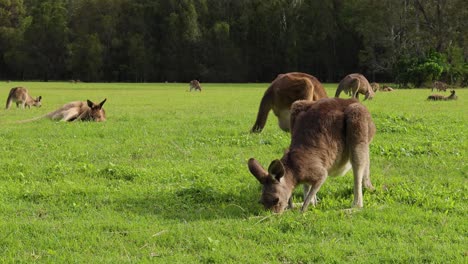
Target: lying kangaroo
328, 138
20, 96
386, 88
452, 96
438, 97
84, 111
355, 84
282, 93
194, 84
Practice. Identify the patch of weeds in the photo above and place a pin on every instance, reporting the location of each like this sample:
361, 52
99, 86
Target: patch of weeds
58, 169
404, 150
120, 172
34, 196
291, 226
115, 230
198, 194
399, 124
225, 169
12, 168
243, 140
86, 168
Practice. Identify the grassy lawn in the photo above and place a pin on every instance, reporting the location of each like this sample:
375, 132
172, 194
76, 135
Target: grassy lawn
165, 180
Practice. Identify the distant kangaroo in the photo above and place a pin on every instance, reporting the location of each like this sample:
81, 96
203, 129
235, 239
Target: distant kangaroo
386, 88
329, 137
355, 84
194, 84
282, 93
439, 86
438, 97
20, 96
77, 111
375, 86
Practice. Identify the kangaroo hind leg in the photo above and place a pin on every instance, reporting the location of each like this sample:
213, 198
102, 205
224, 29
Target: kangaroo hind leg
357, 143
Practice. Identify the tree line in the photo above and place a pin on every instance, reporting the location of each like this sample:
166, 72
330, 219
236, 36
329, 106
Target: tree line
410, 42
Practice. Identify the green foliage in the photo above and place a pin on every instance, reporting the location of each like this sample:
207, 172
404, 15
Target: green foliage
86, 55
231, 40
46, 38
421, 71
457, 69
165, 180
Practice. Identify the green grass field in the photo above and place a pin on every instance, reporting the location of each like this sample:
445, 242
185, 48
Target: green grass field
165, 180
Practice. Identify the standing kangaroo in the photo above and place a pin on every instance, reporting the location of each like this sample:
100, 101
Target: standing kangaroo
282, 93
355, 84
194, 84
20, 96
329, 137
439, 86
74, 111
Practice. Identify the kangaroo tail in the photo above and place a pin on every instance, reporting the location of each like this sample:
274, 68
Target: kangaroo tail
338, 90
264, 109
32, 119
10, 98
356, 89
341, 88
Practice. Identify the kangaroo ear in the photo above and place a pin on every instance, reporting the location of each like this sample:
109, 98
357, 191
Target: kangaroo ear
39, 98
90, 104
276, 169
102, 103
258, 171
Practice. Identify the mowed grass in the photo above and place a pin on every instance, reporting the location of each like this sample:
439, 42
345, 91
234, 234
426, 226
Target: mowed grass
165, 180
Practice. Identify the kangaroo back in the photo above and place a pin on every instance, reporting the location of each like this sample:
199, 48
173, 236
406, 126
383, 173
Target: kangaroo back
79, 110
21, 96
83, 111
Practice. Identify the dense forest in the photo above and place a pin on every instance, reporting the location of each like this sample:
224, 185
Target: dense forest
410, 42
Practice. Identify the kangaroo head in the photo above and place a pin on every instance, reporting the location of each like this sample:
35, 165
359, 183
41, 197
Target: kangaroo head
37, 101
97, 113
369, 95
275, 191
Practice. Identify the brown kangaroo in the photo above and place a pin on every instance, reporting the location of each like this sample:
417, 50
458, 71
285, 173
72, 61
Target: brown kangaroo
20, 96
329, 137
355, 84
194, 84
375, 86
438, 97
452, 96
282, 93
439, 86
386, 88
83, 111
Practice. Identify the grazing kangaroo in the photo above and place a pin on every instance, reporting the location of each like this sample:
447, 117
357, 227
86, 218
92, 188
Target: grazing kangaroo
438, 97
83, 111
194, 84
439, 86
20, 96
329, 137
375, 86
355, 84
282, 93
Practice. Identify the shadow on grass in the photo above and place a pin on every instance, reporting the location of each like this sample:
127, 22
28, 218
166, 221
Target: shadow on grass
208, 203
195, 203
